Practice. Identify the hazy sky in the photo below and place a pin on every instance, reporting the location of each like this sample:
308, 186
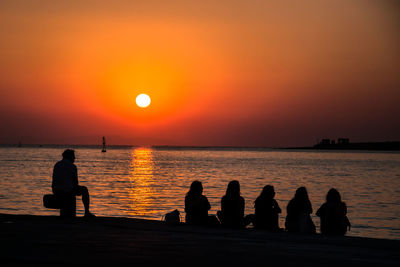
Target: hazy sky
245, 73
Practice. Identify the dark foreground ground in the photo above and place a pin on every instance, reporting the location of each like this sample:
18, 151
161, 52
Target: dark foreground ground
52, 241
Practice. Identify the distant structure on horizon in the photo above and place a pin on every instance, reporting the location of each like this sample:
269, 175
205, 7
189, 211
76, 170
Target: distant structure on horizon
104, 145
329, 142
344, 143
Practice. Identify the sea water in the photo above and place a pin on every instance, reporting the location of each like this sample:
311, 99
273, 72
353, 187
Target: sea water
146, 182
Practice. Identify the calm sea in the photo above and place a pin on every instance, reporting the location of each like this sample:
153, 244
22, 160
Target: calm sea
149, 182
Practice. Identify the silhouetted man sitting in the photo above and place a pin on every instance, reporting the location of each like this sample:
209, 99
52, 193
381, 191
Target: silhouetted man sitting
65, 180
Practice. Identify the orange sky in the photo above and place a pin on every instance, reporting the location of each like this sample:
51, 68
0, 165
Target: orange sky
240, 73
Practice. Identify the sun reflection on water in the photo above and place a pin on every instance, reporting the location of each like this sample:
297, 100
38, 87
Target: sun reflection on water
142, 182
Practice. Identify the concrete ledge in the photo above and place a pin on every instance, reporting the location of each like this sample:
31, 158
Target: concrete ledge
109, 241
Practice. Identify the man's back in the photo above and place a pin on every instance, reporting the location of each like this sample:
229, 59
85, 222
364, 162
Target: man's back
65, 176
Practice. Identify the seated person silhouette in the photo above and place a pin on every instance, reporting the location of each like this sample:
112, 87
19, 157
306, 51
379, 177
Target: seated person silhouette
232, 206
196, 205
298, 217
267, 210
333, 215
65, 180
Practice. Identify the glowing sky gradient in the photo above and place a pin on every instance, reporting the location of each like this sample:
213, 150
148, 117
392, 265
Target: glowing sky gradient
239, 73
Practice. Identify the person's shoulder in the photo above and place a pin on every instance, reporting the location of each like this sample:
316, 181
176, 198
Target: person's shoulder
321, 210
291, 202
260, 202
63, 161
69, 163
203, 197
323, 206
59, 163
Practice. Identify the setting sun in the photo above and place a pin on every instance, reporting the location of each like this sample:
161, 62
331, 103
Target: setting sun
143, 100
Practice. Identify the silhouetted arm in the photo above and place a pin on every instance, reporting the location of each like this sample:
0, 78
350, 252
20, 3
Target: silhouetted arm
242, 207
223, 204
347, 221
188, 205
75, 176
344, 208
309, 207
320, 210
276, 207
289, 207
208, 206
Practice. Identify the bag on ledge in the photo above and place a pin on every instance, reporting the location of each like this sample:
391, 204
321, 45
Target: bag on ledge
50, 201
172, 217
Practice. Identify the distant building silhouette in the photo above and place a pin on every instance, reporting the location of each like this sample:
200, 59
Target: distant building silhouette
325, 142
343, 141
345, 144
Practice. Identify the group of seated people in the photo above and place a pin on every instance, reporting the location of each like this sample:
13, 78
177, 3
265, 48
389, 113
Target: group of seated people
332, 213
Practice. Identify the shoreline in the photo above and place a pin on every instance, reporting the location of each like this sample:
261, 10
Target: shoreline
51, 240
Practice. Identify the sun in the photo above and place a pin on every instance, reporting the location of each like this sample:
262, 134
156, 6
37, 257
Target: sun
143, 100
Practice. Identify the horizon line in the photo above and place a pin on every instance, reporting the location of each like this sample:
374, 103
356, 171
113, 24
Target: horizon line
177, 146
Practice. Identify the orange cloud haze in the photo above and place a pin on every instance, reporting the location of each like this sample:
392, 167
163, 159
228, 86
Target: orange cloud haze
243, 73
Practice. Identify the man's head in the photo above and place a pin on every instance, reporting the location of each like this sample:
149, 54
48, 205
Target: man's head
69, 154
